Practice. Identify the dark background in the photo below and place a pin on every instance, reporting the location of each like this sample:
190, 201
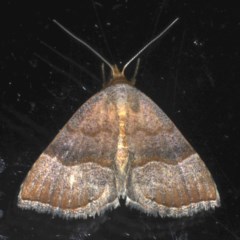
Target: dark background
192, 73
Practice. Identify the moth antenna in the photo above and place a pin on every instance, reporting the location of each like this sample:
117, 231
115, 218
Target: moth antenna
149, 44
83, 43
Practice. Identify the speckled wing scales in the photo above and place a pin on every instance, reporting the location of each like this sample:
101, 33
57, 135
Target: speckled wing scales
74, 177
167, 177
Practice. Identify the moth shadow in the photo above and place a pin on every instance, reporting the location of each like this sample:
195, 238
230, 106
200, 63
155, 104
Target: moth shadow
126, 223
120, 223
31, 225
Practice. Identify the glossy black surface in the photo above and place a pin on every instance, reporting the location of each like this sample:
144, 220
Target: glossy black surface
192, 74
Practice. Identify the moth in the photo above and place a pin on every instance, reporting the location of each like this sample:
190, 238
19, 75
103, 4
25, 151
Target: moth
119, 144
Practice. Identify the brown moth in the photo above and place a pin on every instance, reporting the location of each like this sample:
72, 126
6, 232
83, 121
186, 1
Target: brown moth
119, 144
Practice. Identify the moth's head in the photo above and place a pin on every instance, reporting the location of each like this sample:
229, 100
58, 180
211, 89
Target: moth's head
118, 77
